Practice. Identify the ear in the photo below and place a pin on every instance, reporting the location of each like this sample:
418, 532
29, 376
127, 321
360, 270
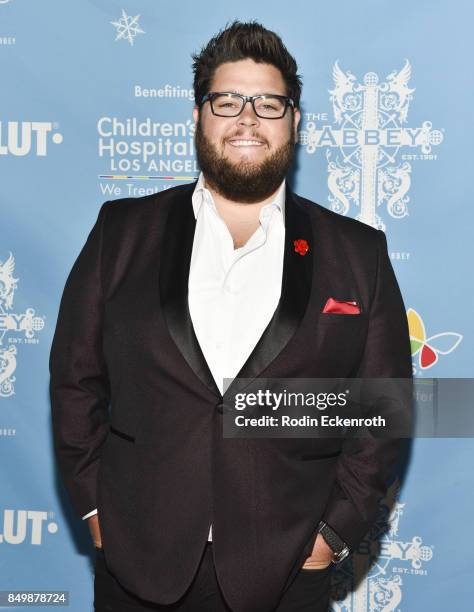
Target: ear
195, 114
297, 118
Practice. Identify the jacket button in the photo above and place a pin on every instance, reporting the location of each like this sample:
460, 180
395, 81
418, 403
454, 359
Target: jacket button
220, 407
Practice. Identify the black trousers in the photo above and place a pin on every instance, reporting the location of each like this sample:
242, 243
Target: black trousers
308, 592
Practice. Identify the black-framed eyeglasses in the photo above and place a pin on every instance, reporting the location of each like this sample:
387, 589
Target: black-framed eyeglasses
265, 106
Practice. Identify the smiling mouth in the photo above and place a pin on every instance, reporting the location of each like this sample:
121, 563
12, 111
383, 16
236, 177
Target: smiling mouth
246, 143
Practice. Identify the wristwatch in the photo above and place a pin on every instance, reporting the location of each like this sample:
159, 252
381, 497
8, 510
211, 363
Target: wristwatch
340, 548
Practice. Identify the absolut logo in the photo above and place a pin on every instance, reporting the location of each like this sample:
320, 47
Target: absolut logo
20, 138
28, 526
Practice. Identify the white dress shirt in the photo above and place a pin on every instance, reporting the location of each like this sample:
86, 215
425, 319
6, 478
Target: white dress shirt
233, 293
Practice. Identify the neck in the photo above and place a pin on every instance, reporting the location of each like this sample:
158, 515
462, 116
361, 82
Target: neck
239, 210
242, 219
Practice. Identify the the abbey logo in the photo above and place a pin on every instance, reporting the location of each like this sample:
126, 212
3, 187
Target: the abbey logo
24, 325
372, 578
366, 166
27, 526
425, 350
127, 27
20, 138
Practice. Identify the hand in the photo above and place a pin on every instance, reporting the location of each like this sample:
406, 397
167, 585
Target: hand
93, 522
321, 556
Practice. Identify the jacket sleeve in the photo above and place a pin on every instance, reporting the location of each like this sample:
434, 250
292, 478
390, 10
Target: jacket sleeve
79, 388
366, 463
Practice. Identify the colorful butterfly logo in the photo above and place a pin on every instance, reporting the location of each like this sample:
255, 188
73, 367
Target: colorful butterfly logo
428, 349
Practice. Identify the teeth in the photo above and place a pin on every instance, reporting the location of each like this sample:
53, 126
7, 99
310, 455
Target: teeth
246, 143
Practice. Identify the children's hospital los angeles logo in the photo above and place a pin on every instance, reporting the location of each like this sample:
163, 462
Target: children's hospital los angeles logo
370, 147
23, 326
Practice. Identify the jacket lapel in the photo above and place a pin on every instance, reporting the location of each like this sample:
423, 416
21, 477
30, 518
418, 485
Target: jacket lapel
176, 253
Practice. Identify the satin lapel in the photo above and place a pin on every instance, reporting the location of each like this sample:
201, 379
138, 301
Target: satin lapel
295, 292
176, 253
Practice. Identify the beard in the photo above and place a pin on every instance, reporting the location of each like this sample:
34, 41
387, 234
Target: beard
245, 182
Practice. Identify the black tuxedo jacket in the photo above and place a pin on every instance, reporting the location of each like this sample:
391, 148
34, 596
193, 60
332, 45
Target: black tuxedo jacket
137, 416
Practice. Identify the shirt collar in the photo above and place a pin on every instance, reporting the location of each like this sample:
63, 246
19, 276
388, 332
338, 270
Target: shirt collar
200, 194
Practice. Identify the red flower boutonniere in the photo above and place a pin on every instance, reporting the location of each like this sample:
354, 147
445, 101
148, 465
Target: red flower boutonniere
301, 246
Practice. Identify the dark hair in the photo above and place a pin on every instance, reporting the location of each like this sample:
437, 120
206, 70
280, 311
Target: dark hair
240, 41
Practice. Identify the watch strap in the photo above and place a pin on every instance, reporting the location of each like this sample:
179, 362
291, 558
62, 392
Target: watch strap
340, 548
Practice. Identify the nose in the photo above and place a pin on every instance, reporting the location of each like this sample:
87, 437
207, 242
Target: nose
248, 116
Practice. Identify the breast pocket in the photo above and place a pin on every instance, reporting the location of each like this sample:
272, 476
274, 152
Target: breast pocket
341, 322
340, 341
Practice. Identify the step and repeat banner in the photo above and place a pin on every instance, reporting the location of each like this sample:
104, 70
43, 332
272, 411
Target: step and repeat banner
96, 101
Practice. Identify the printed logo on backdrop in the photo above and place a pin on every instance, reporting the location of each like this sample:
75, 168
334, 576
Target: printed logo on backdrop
141, 149
6, 40
368, 169
24, 325
27, 526
20, 138
425, 351
134, 149
127, 27
382, 564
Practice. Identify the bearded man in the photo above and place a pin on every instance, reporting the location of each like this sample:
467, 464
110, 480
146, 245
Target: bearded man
231, 276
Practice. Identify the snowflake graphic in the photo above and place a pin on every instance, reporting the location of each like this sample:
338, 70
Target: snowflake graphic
127, 27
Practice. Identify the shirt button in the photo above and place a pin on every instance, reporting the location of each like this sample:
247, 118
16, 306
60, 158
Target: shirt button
220, 407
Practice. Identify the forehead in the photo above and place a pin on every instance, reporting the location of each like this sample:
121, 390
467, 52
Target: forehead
248, 78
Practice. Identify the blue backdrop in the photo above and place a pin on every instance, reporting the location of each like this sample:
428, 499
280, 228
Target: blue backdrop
96, 104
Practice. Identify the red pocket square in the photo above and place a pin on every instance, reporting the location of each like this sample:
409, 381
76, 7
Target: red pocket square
336, 307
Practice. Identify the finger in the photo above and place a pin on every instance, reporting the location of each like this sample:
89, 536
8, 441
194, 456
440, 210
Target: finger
316, 565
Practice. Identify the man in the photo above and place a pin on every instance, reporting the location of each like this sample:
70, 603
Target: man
234, 275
